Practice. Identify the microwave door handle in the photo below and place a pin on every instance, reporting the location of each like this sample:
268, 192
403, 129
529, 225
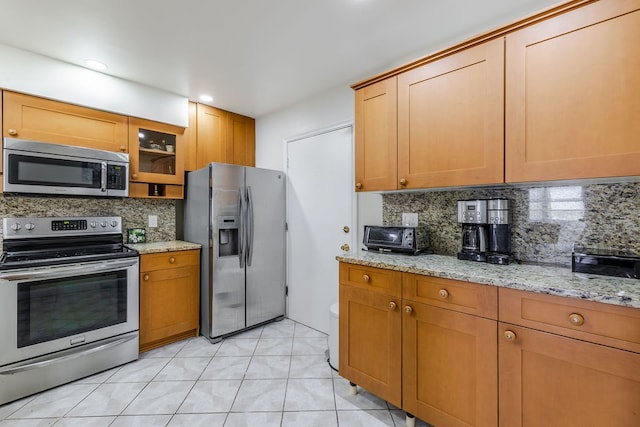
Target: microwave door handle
66, 271
103, 176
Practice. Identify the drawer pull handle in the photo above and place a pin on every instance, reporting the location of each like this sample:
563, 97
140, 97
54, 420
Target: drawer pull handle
392, 305
134, 176
366, 277
408, 309
145, 277
404, 181
172, 260
358, 185
576, 319
509, 335
443, 293
13, 132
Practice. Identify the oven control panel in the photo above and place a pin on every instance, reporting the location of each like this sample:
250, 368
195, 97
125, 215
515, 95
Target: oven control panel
17, 228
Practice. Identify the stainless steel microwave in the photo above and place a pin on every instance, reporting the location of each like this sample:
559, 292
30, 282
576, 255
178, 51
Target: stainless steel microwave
42, 168
394, 239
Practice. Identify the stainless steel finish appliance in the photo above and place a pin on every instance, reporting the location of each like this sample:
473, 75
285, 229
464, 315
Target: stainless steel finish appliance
410, 240
499, 230
472, 214
237, 214
69, 301
41, 168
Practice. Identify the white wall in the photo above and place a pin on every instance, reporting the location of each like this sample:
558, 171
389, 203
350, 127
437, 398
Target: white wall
322, 111
27, 72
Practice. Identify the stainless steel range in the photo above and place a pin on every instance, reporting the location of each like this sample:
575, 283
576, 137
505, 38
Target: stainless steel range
68, 301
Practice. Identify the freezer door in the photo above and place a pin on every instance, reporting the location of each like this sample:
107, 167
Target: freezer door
227, 250
265, 281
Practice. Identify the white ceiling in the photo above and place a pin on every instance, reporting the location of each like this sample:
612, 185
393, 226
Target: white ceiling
253, 56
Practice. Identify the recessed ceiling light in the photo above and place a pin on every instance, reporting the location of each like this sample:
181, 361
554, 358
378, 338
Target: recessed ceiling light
96, 65
206, 98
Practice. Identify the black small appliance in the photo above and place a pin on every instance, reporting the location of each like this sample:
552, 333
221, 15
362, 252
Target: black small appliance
472, 214
499, 230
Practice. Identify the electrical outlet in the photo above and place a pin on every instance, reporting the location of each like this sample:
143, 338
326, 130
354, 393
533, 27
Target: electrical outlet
410, 219
153, 221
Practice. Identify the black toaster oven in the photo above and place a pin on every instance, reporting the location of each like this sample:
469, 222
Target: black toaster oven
411, 240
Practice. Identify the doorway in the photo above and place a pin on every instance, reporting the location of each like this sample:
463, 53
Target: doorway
320, 218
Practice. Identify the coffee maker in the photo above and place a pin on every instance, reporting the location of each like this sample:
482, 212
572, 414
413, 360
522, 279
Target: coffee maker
472, 214
499, 229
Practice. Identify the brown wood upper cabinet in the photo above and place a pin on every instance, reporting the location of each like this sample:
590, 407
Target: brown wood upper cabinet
376, 136
437, 125
573, 95
220, 136
450, 120
39, 119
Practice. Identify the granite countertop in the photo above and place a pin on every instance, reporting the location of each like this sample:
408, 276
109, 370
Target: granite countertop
170, 246
542, 279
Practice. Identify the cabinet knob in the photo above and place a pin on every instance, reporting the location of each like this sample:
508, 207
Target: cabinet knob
408, 309
123, 148
392, 305
12, 132
443, 293
366, 277
345, 247
358, 186
404, 181
172, 260
134, 176
509, 335
576, 319
145, 277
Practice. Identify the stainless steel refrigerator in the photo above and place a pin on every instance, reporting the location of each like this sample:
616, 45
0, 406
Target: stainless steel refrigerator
237, 214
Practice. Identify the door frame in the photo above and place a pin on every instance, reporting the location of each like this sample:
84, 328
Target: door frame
353, 234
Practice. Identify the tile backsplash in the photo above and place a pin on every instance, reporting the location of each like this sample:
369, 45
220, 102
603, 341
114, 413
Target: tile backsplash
546, 220
134, 212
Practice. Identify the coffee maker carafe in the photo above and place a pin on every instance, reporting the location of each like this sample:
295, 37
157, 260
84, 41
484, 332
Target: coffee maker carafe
472, 214
499, 231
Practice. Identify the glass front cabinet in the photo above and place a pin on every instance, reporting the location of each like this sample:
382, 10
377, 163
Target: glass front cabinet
156, 159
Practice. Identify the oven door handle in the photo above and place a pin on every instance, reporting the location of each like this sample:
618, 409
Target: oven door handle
66, 271
71, 354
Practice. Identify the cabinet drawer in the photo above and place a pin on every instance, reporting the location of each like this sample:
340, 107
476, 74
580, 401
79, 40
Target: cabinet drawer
376, 279
471, 298
163, 260
586, 320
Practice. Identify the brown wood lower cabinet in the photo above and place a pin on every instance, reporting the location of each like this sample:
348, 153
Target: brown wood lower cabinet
449, 368
457, 354
169, 297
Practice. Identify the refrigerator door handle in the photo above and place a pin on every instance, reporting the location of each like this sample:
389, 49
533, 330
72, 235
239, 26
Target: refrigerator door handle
250, 226
241, 240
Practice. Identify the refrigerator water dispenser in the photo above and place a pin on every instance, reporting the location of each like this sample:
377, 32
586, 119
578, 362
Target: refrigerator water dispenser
228, 231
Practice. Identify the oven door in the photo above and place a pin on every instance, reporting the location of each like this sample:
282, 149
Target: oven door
53, 308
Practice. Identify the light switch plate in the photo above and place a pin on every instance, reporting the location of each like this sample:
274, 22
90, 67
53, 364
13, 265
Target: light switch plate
153, 220
409, 219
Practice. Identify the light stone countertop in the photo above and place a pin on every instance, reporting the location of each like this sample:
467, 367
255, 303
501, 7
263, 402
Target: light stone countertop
156, 247
535, 278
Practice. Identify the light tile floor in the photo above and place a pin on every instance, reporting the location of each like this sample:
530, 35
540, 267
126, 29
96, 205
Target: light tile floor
274, 375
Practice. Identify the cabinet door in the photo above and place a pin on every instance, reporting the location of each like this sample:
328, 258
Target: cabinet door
156, 152
39, 119
371, 342
241, 140
169, 305
212, 136
554, 381
191, 140
451, 120
449, 366
573, 95
376, 136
